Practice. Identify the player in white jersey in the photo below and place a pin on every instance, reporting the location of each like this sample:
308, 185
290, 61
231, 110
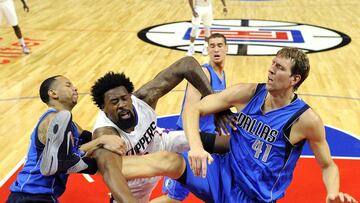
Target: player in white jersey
201, 11
7, 10
145, 138
132, 116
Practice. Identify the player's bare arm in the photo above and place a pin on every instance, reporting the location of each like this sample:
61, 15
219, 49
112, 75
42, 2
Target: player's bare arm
109, 165
43, 127
310, 127
191, 3
107, 138
235, 96
185, 68
25, 6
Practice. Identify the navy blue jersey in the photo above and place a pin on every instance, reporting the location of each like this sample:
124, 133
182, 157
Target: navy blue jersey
261, 157
217, 85
30, 179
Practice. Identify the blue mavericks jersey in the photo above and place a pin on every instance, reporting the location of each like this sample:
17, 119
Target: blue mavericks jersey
261, 157
30, 179
217, 85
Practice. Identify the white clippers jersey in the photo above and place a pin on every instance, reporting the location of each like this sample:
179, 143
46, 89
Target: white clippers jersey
143, 140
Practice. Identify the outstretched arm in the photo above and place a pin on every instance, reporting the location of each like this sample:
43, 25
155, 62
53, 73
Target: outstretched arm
112, 142
235, 96
185, 68
311, 126
110, 166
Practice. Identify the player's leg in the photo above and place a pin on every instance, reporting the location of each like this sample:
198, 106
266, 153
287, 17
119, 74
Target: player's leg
207, 19
160, 163
10, 15
194, 30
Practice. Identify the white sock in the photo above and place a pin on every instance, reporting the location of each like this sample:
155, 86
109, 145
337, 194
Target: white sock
22, 42
206, 44
192, 44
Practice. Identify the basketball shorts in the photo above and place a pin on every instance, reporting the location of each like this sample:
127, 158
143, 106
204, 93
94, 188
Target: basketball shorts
169, 140
19, 197
218, 185
174, 189
205, 15
7, 10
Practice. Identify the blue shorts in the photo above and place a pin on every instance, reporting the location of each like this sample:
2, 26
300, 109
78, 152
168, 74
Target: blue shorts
174, 189
18, 197
218, 185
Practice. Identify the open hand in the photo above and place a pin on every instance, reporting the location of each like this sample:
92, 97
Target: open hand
114, 143
340, 197
225, 11
198, 159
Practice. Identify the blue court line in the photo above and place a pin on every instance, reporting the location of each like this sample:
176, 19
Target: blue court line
301, 94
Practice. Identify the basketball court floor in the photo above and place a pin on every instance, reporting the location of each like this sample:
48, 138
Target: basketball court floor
85, 39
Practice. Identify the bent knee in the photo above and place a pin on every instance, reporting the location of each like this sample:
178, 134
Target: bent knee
173, 164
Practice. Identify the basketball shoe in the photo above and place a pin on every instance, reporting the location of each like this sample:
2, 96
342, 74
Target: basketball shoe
25, 49
58, 156
191, 51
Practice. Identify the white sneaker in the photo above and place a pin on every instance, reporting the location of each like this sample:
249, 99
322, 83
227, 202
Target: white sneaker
25, 50
204, 51
191, 51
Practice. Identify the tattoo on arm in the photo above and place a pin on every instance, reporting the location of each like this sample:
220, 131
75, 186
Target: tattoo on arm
43, 127
104, 131
185, 68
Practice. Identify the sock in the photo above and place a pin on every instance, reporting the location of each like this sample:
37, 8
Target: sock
192, 44
22, 42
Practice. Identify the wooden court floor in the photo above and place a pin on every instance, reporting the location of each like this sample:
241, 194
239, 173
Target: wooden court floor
85, 39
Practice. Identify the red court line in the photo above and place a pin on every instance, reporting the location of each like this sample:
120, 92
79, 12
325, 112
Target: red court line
306, 186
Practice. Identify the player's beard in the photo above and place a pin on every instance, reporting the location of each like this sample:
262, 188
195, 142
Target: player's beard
125, 124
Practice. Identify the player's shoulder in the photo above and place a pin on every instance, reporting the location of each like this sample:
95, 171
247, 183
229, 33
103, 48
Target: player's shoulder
310, 122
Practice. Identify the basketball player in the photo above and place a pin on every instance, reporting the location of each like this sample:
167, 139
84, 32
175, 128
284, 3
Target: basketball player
201, 11
214, 70
133, 117
34, 184
273, 124
7, 9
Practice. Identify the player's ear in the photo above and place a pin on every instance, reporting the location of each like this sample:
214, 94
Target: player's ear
295, 79
52, 94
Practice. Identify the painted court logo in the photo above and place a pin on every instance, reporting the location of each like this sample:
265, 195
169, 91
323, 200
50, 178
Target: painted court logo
249, 37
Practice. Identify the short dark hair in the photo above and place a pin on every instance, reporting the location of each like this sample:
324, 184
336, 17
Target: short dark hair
109, 81
218, 35
301, 64
44, 88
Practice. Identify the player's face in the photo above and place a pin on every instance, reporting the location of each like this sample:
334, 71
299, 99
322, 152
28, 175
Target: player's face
66, 92
217, 50
118, 107
279, 74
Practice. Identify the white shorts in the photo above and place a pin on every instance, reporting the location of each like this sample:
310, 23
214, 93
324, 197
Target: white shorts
7, 9
173, 141
205, 15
